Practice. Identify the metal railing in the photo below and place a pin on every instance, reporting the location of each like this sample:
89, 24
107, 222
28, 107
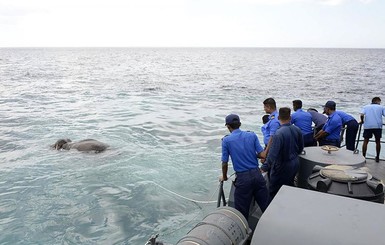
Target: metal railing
221, 196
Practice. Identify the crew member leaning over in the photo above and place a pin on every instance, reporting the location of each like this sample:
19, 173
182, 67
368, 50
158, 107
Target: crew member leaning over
330, 133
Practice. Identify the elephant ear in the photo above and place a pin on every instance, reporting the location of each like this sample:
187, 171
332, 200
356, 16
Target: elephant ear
60, 143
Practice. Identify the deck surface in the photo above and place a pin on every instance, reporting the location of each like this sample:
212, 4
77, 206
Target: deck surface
377, 169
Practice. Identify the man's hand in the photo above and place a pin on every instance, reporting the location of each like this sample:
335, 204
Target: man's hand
222, 178
262, 156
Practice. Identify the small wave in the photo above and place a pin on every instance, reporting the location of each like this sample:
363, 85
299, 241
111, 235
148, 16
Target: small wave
152, 89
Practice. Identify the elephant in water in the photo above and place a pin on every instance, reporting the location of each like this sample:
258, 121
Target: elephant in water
83, 145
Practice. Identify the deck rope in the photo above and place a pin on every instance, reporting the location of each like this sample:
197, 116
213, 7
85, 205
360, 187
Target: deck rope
183, 197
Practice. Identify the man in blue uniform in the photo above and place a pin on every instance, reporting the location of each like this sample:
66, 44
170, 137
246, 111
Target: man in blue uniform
272, 125
303, 121
265, 120
351, 129
331, 131
282, 161
244, 148
373, 114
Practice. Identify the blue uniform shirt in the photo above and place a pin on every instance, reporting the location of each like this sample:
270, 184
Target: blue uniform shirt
345, 117
243, 148
333, 127
263, 129
271, 126
303, 120
373, 116
287, 144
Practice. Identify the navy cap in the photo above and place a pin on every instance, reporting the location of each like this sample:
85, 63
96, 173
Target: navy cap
232, 118
330, 104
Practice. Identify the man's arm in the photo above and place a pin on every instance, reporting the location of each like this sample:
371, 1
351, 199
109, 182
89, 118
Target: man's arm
362, 118
225, 166
265, 167
262, 155
272, 151
320, 135
268, 146
274, 126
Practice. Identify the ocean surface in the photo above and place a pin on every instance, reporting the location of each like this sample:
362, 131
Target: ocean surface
162, 112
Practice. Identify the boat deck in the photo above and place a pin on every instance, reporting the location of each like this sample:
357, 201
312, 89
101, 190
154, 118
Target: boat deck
377, 169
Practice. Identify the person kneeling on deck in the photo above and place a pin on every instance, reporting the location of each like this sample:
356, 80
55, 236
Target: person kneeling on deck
282, 162
243, 147
330, 133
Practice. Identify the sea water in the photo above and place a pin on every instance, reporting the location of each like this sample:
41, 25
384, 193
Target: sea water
162, 112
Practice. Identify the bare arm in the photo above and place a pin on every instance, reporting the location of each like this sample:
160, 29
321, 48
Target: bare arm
362, 118
320, 135
224, 171
268, 146
262, 155
265, 165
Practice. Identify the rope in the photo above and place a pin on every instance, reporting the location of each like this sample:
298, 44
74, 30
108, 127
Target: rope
183, 197
188, 199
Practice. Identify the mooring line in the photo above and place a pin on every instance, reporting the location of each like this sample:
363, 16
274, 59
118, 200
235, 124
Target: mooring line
183, 197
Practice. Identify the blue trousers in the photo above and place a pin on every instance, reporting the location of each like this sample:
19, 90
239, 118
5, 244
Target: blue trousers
351, 133
283, 176
250, 184
309, 140
330, 142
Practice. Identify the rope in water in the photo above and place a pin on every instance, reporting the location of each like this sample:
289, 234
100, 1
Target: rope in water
188, 199
183, 197
193, 218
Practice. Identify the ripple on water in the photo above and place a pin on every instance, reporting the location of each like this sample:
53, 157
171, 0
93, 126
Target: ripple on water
161, 111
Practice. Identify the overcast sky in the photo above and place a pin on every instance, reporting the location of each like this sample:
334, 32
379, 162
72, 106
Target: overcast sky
192, 23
